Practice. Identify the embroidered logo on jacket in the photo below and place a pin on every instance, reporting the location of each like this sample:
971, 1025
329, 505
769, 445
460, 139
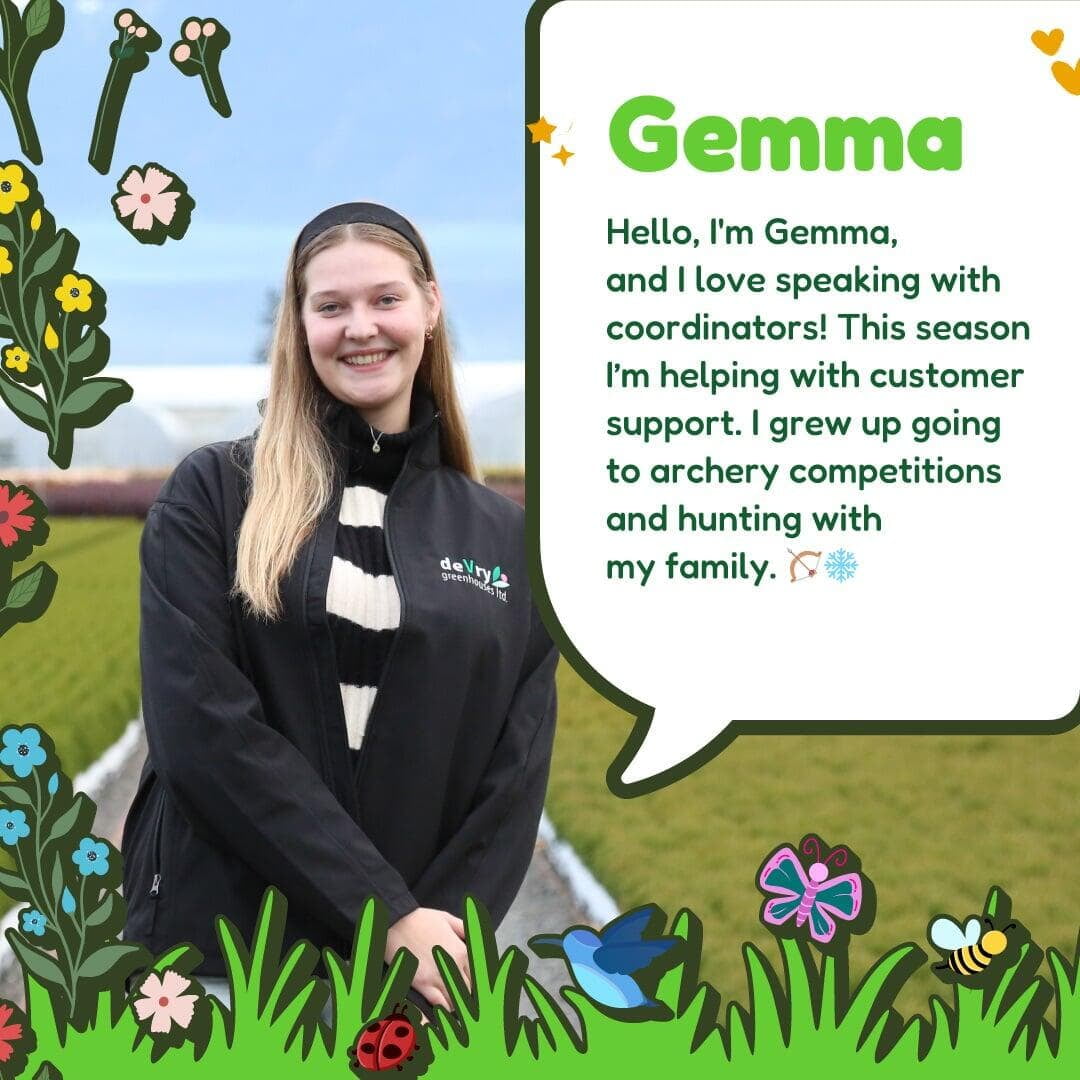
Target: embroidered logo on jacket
492, 581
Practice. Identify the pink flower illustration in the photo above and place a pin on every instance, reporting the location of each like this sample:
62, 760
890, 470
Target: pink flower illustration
147, 198
164, 999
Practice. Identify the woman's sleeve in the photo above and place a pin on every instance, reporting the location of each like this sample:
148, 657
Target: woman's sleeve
488, 856
239, 782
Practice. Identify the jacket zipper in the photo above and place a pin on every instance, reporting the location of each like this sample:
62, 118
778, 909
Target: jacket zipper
159, 828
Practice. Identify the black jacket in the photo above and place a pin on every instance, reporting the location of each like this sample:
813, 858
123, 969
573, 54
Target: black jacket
248, 781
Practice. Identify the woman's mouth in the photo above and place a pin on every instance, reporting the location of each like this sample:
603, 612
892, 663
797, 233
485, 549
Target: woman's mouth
366, 359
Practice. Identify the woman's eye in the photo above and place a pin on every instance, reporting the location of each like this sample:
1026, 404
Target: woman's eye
388, 301
328, 308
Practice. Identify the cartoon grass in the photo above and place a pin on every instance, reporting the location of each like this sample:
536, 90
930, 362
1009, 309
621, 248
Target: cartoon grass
26, 37
22, 528
129, 53
198, 52
51, 317
82, 1019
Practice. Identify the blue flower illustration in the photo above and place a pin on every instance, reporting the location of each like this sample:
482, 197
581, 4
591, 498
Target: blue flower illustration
33, 922
92, 857
13, 826
22, 750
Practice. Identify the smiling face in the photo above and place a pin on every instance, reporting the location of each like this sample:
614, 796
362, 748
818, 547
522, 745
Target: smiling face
365, 319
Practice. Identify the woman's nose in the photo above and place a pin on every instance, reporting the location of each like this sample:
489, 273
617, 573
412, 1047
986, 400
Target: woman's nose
361, 325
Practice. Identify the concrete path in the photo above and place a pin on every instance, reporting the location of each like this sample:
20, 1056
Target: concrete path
544, 905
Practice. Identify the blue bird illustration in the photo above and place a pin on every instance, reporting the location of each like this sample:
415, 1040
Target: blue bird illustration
603, 964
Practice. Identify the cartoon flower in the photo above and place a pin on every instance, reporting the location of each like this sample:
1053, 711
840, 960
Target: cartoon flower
16, 357
92, 857
146, 198
164, 999
6, 265
12, 522
33, 922
35, 220
22, 746
9, 1033
13, 826
74, 293
12, 189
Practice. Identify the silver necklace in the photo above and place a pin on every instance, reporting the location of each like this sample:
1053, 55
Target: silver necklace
375, 439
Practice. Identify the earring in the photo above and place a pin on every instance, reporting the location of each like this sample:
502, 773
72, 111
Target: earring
429, 333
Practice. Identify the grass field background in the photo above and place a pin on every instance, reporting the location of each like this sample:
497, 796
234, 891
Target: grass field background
935, 819
75, 671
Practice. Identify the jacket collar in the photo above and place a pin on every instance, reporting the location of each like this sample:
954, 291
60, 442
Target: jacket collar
423, 450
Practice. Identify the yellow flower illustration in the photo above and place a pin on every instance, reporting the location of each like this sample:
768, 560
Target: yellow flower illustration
5, 261
51, 340
16, 358
12, 189
74, 293
35, 220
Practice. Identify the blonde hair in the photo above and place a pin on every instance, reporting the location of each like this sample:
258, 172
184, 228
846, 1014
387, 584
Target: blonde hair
292, 470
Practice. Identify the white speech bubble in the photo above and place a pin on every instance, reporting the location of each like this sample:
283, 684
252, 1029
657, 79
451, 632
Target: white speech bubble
961, 607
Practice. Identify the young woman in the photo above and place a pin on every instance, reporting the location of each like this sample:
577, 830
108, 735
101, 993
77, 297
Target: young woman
347, 690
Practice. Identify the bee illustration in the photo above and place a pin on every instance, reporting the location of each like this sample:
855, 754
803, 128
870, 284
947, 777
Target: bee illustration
968, 950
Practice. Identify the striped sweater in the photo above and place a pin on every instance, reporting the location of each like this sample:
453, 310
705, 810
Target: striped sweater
362, 598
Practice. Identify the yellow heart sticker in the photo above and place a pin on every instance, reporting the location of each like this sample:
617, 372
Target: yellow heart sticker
1067, 75
1048, 43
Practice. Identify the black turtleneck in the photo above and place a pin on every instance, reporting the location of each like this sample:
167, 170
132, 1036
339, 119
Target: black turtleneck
362, 600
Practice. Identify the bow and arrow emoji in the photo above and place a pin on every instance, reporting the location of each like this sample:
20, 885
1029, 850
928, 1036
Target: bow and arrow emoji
799, 562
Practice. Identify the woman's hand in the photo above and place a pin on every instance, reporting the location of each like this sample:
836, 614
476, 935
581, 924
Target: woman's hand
419, 932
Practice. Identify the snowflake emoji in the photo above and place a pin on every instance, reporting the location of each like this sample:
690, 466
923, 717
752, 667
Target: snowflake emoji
840, 565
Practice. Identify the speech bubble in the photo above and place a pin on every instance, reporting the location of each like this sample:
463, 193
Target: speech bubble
801, 330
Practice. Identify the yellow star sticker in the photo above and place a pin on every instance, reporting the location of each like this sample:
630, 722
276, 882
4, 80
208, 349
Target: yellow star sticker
541, 130
563, 155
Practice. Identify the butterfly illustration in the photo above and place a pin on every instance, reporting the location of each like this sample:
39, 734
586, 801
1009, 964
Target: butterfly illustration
809, 895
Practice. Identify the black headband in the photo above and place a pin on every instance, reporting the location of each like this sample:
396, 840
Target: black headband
362, 213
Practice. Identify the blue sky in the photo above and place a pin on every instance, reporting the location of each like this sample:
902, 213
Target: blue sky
414, 104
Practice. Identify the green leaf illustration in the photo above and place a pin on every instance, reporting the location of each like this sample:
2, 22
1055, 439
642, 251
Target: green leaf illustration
14, 885
39, 316
12, 793
25, 405
24, 587
6, 233
84, 350
42, 966
57, 876
105, 959
36, 17
47, 259
66, 821
48, 1071
101, 914
90, 394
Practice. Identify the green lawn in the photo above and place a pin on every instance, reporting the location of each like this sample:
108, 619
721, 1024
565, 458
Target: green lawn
935, 820
75, 671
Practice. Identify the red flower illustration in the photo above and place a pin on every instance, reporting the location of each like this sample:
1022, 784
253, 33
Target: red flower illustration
9, 1033
12, 518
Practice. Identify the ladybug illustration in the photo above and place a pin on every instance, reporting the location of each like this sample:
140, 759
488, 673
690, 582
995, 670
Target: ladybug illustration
386, 1043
